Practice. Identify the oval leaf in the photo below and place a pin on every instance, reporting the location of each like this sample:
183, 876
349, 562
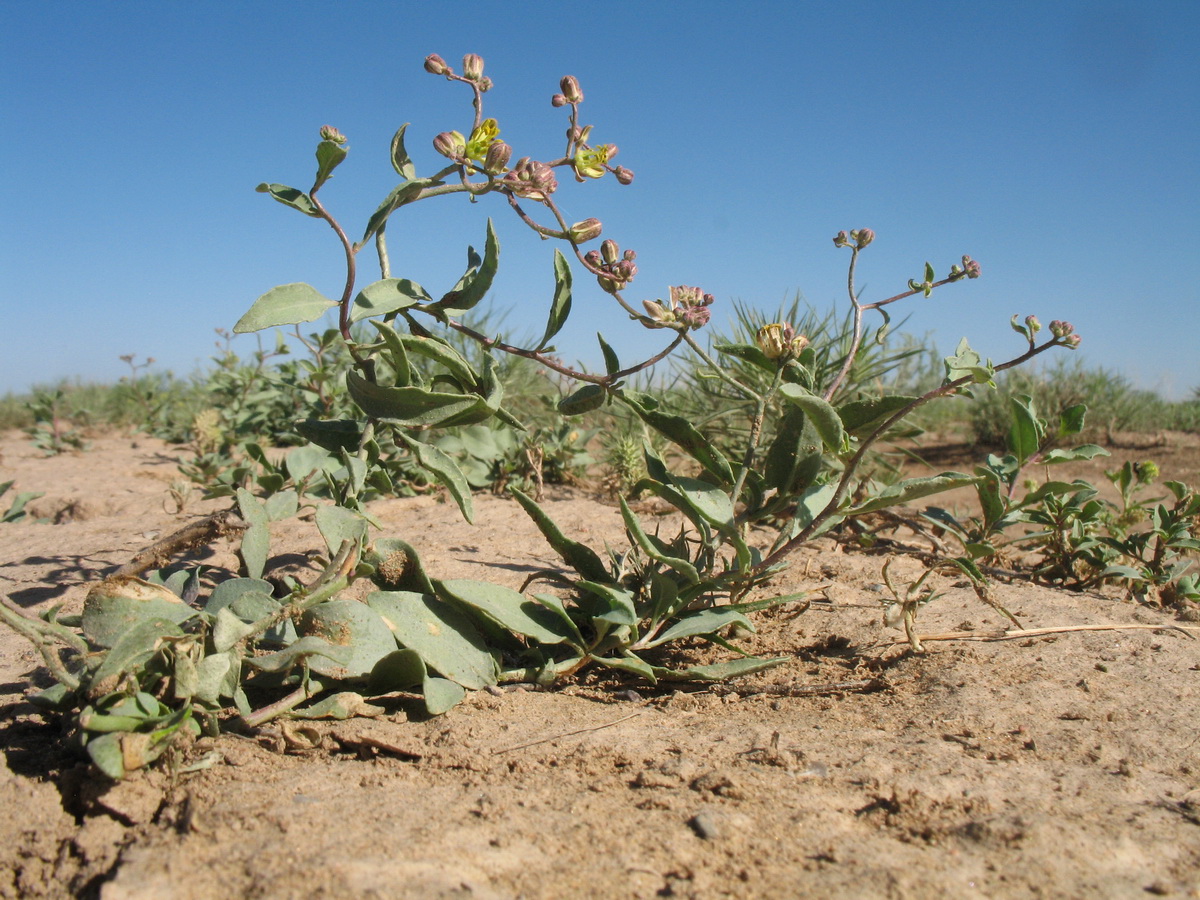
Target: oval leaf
288, 304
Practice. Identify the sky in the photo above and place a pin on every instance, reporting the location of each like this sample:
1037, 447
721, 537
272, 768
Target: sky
1057, 144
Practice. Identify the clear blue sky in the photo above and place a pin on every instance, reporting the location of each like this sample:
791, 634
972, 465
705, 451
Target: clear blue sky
1057, 143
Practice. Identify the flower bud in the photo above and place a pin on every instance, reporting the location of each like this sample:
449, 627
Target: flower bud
587, 230
862, 237
1032, 323
558, 100
971, 267
610, 251
435, 65
842, 240
329, 133
1146, 471
592, 257
624, 175
473, 66
570, 88
496, 160
485, 84
450, 144
797, 344
531, 179
1072, 341
1061, 329
656, 311
695, 316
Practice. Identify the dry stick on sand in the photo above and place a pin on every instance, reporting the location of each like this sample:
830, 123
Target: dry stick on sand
567, 734
1014, 634
192, 536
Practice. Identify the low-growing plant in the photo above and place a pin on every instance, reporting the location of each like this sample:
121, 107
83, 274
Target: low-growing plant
53, 431
143, 666
16, 509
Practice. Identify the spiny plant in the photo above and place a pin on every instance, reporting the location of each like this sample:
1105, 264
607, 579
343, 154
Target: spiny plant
152, 659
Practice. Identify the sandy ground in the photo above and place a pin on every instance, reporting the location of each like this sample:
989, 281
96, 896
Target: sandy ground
1058, 765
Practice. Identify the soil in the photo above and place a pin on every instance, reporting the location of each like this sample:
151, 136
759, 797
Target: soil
1060, 764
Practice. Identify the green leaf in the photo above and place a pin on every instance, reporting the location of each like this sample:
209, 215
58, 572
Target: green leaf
338, 524
446, 470
350, 625
861, 417
1027, 430
580, 557
282, 505
342, 705
508, 609
400, 670
618, 607
444, 637
721, 671
913, 489
288, 304
410, 406
966, 363
132, 650
1075, 454
116, 605
709, 500
1071, 420
682, 566
683, 433
289, 196
255, 548
397, 197
473, 286
386, 296
823, 416
400, 161
612, 364
441, 695
328, 437
587, 398
748, 353
305, 648
704, 622
329, 157
560, 307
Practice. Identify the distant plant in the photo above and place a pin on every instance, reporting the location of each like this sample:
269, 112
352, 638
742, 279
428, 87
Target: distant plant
52, 430
16, 509
142, 665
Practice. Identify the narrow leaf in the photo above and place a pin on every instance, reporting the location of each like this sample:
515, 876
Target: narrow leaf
446, 470
560, 307
289, 196
400, 161
823, 416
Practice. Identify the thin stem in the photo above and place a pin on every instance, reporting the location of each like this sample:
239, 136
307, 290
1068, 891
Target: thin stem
351, 267
719, 371
856, 341
756, 423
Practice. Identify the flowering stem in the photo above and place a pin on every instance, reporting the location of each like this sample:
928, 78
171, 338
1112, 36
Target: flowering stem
856, 340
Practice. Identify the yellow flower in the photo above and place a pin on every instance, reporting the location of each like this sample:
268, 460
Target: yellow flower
590, 163
482, 138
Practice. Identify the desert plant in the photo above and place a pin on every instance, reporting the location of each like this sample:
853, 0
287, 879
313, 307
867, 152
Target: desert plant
142, 666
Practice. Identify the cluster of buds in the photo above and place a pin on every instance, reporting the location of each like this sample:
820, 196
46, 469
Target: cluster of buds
571, 92
779, 341
531, 179
688, 307
859, 238
1064, 333
968, 269
329, 133
472, 69
618, 268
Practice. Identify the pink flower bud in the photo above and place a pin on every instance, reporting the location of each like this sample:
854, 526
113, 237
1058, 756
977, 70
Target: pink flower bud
862, 237
473, 66
842, 239
498, 155
1032, 323
695, 316
624, 175
329, 133
1061, 329
558, 100
592, 257
610, 252
1072, 341
570, 89
435, 65
971, 267
485, 84
450, 144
